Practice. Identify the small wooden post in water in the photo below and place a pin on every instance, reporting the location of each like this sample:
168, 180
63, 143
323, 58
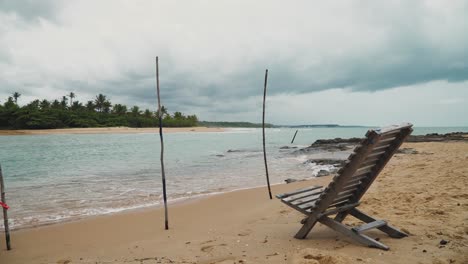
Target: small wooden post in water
292, 141
263, 130
5, 212
166, 221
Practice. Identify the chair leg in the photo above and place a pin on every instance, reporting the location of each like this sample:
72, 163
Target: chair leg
308, 224
388, 229
341, 216
341, 228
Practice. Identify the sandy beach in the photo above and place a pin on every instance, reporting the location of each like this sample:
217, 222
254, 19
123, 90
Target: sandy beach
108, 130
423, 194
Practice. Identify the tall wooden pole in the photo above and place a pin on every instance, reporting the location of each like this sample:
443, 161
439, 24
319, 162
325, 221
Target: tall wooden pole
166, 221
5, 212
263, 131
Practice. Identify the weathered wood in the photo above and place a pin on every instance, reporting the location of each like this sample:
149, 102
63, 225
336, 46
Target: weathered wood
371, 161
292, 141
5, 210
298, 191
163, 173
263, 133
393, 128
338, 209
305, 199
361, 238
338, 182
388, 229
293, 198
369, 226
385, 140
399, 139
346, 189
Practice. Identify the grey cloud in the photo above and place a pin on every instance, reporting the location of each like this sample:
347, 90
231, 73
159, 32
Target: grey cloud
214, 61
30, 9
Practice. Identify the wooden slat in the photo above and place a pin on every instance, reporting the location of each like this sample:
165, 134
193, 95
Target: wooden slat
295, 197
351, 187
384, 146
386, 140
363, 172
284, 195
308, 200
364, 168
339, 203
369, 226
371, 161
378, 153
339, 209
307, 205
344, 196
361, 238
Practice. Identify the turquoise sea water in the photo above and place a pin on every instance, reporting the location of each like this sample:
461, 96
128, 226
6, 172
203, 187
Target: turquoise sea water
52, 178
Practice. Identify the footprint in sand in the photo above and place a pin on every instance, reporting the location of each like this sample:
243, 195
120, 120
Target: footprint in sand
209, 248
245, 233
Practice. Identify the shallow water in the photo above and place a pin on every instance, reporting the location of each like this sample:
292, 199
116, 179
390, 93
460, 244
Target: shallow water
52, 178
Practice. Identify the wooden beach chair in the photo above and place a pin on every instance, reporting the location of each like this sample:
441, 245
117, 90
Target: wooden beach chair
342, 195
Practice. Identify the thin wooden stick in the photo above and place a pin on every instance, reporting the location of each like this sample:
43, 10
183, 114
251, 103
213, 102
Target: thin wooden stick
263, 131
166, 221
5, 212
292, 141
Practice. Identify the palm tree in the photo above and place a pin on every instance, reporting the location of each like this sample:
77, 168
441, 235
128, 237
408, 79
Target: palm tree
44, 104
16, 95
135, 110
63, 103
148, 113
90, 106
71, 95
106, 106
99, 101
119, 109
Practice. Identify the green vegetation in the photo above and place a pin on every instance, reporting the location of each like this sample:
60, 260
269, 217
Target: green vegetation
69, 113
231, 124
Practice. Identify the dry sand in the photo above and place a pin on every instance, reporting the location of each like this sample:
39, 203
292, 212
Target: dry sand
424, 194
108, 130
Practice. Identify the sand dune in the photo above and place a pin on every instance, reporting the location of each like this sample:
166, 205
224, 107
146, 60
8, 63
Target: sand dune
424, 194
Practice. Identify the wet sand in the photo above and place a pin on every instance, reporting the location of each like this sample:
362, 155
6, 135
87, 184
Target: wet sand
424, 194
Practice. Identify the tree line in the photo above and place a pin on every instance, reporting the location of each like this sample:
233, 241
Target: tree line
67, 112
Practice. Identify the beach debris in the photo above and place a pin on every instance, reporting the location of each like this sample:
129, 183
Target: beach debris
443, 242
292, 141
289, 180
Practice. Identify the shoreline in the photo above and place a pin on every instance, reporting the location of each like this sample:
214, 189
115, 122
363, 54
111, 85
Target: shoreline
171, 202
107, 130
427, 190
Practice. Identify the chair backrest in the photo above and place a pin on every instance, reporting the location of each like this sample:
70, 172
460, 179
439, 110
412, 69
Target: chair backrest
362, 167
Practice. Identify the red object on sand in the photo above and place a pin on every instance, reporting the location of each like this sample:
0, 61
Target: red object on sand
4, 205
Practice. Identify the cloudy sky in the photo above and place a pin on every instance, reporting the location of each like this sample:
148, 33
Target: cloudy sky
347, 62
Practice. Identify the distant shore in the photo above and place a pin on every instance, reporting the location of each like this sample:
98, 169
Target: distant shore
108, 130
